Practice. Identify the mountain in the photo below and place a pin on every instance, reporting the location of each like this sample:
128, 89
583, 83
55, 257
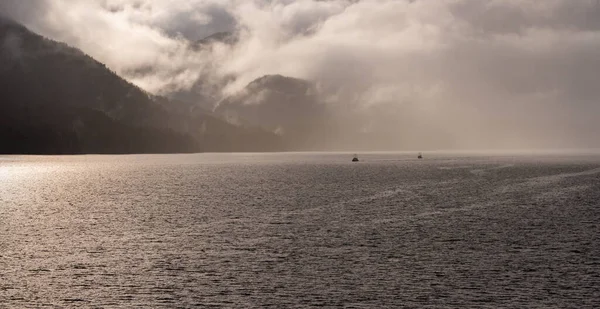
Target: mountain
294, 109
206, 90
287, 106
56, 99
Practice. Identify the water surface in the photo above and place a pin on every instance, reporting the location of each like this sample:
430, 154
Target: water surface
300, 230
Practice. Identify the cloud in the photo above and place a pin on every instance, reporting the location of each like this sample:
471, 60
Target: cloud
144, 41
488, 73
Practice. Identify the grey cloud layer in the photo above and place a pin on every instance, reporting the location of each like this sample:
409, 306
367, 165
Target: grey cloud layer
496, 73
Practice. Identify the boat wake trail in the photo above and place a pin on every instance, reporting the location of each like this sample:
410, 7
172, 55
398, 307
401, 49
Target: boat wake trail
413, 204
408, 193
537, 181
558, 177
482, 171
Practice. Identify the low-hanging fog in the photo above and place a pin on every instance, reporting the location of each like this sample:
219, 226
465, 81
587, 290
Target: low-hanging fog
395, 74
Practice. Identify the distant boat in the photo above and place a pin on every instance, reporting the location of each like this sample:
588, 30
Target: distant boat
355, 158
420, 156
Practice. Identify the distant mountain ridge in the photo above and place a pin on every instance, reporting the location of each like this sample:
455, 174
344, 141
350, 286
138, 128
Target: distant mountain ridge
287, 106
56, 99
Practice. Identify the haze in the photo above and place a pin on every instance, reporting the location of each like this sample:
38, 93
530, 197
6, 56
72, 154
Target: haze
423, 74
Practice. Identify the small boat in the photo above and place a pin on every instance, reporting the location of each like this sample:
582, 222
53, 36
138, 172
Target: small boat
355, 158
420, 156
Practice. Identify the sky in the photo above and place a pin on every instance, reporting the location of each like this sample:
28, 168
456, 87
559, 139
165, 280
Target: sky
470, 73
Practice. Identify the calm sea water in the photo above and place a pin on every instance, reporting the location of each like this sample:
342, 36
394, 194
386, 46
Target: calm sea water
300, 230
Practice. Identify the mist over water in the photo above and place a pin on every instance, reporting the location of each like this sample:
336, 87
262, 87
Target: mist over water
300, 230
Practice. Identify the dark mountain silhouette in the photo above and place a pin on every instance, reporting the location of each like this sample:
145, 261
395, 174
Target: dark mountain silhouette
287, 106
56, 99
